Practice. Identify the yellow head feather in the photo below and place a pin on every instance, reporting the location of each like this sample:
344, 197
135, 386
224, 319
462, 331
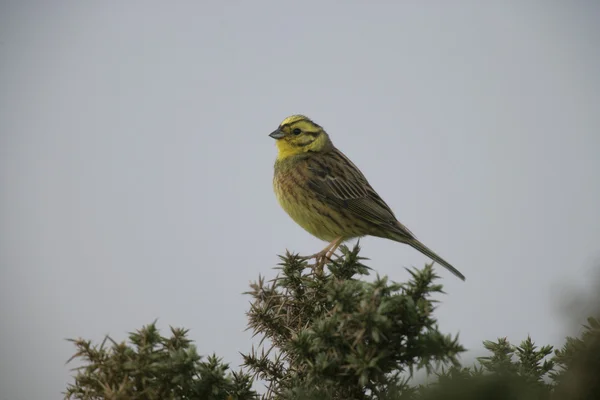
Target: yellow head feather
298, 135
295, 118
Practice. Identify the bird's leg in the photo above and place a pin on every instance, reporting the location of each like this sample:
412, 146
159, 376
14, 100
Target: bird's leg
319, 254
327, 251
325, 255
333, 248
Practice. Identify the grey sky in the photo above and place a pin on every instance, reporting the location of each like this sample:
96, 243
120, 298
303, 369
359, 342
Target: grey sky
136, 168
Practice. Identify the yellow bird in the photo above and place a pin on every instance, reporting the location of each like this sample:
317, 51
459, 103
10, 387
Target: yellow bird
328, 196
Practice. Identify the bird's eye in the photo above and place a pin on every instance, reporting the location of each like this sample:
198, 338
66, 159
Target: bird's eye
297, 131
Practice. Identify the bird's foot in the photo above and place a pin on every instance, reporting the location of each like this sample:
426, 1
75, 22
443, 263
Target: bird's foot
324, 256
321, 258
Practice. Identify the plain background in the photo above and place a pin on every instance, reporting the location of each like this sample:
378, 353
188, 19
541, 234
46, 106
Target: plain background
135, 165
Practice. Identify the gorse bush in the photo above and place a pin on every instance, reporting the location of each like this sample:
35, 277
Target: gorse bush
578, 373
333, 336
336, 332
153, 367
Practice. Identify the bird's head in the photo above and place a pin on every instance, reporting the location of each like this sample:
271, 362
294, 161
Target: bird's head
298, 134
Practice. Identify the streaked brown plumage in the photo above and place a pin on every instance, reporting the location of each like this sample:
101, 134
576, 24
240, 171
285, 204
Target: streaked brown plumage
326, 194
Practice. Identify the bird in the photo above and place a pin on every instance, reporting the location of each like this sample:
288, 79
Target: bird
327, 195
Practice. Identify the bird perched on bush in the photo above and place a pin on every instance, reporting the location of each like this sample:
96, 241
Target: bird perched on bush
328, 196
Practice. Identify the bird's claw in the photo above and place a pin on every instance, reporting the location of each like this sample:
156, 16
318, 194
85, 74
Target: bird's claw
321, 258
324, 256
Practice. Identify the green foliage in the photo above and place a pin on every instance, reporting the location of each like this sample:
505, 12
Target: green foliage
327, 336
153, 367
527, 373
530, 362
578, 375
342, 337
510, 372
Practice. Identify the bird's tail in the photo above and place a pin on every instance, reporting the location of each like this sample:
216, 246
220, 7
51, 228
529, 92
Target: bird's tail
414, 243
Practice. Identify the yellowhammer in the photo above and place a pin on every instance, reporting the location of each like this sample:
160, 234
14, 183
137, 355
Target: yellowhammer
327, 195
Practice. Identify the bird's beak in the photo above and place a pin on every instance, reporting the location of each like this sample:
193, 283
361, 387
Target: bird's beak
277, 134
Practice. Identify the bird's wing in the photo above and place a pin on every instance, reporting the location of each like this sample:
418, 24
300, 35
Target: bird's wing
337, 180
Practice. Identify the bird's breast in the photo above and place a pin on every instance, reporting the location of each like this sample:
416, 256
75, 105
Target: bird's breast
304, 206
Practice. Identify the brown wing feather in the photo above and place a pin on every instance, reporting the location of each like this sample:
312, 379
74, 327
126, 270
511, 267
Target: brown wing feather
337, 180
